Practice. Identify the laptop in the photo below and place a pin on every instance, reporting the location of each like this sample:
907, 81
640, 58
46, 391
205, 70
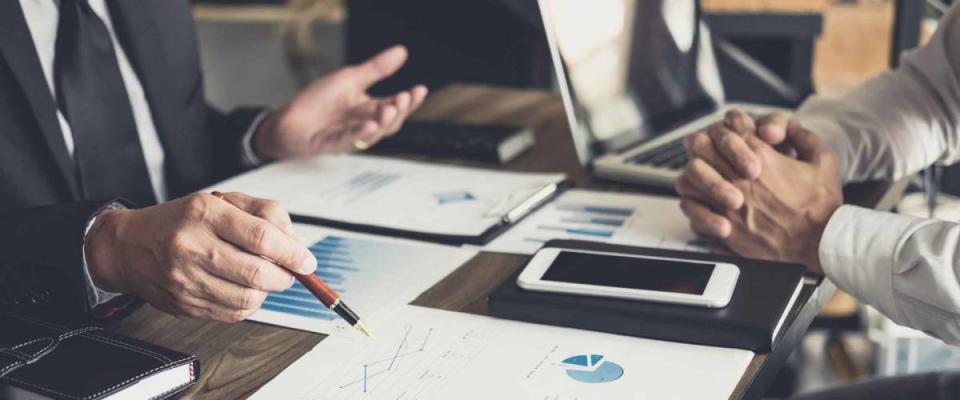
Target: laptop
636, 77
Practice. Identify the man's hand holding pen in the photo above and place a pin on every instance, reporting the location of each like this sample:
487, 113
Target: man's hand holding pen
217, 258
198, 256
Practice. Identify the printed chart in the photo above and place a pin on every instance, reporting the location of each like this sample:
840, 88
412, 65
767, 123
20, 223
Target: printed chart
592, 368
372, 274
620, 218
424, 354
392, 193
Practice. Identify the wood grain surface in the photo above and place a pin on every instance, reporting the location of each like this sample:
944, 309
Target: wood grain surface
237, 359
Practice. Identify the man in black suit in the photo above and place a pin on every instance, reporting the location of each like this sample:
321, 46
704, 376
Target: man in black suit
102, 110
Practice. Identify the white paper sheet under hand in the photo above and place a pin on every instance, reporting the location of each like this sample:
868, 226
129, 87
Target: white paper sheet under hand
431, 354
391, 193
619, 218
374, 275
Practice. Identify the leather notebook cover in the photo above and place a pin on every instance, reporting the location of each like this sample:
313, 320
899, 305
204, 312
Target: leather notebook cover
41, 360
760, 300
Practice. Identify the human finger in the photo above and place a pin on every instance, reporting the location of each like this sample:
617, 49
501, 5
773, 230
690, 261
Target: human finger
269, 210
703, 220
739, 122
735, 151
261, 238
419, 94
232, 295
772, 128
247, 270
809, 147
719, 192
380, 66
403, 102
701, 146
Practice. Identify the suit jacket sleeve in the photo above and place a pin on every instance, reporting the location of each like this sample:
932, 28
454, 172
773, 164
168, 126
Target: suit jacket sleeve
41, 248
42, 256
228, 130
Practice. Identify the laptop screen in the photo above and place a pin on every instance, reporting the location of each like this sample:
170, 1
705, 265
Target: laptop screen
630, 70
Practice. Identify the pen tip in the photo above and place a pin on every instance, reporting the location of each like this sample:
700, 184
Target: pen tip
364, 330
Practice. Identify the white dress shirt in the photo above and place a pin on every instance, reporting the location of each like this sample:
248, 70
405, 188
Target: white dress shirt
43, 17
895, 125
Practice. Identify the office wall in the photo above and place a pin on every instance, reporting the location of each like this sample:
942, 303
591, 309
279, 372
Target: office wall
245, 63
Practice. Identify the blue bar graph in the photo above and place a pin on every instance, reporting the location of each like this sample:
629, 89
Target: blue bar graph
596, 221
580, 231
333, 260
373, 274
584, 221
618, 211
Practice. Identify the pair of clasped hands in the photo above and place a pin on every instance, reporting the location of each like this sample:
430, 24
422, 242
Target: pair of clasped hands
763, 187
203, 256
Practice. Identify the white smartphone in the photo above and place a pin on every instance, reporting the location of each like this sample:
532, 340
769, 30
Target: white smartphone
667, 280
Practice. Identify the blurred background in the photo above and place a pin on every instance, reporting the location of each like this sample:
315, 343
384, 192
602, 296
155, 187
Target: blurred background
769, 51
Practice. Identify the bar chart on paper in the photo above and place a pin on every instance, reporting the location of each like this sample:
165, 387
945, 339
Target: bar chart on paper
371, 274
620, 218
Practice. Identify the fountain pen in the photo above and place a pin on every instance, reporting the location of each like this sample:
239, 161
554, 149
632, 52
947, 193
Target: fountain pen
323, 292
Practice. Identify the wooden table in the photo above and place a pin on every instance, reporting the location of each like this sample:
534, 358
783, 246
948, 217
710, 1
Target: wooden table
237, 359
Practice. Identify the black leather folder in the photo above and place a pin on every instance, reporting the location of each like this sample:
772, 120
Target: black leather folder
763, 296
42, 360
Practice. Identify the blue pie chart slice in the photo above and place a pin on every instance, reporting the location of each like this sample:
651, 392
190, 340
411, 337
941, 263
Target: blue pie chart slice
599, 370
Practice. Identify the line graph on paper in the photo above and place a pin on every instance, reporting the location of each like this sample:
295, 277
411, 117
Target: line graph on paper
415, 364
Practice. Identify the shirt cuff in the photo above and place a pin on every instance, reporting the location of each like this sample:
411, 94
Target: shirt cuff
249, 156
857, 253
95, 295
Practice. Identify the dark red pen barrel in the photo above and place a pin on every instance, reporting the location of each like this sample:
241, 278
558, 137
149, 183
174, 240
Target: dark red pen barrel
324, 293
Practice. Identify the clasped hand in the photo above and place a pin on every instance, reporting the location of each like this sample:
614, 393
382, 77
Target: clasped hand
765, 189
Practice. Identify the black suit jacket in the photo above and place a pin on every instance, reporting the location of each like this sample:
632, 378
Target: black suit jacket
42, 214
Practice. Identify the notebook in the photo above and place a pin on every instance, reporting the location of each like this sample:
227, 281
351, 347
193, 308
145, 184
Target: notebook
753, 319
490, 143
43, 360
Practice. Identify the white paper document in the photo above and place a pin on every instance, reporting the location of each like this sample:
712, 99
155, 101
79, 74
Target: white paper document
618, 218
391, 193
374, 275
431, 354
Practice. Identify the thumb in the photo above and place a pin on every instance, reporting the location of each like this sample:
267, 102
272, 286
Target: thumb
380, 66
772, 128
806, 143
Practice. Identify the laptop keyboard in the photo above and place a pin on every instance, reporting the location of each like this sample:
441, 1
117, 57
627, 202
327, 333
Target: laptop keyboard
671, 155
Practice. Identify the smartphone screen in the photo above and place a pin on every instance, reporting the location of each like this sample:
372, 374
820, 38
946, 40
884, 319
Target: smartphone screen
630, 272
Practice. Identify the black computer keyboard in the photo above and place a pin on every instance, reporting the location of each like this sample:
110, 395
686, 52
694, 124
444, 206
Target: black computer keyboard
671, 155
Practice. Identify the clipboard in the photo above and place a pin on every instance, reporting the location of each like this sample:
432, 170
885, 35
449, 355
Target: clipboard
511, 217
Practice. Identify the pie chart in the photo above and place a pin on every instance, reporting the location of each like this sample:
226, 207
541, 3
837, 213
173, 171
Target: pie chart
592, 368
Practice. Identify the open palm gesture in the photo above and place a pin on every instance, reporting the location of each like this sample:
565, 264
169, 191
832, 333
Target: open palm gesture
336, 115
